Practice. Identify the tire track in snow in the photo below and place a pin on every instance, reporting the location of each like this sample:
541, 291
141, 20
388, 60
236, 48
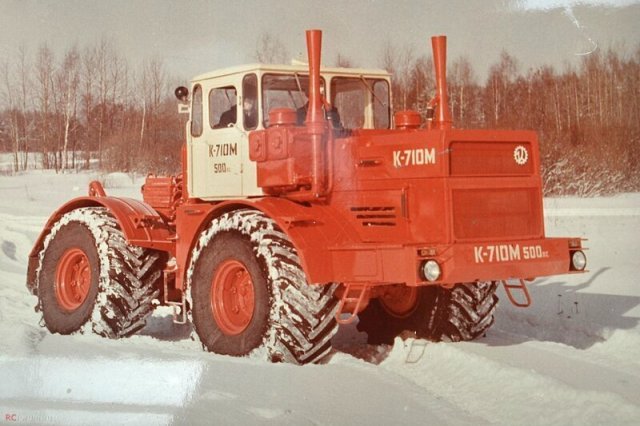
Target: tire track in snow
17, 235
583, 339
580, 369
485, 383
18, 320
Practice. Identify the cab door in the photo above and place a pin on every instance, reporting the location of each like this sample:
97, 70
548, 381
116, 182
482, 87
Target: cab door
216, 142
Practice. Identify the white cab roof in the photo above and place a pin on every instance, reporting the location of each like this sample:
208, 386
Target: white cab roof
303, 69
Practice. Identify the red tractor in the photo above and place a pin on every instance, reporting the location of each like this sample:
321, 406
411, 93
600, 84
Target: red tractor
303, 204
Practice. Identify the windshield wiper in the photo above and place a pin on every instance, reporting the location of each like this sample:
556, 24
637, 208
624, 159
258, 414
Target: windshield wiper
364, 81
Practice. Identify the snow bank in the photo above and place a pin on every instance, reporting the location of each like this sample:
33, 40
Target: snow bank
117, 180
511, 395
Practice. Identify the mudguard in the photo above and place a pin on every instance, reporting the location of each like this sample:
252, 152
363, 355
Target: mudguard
141, 224
313, 230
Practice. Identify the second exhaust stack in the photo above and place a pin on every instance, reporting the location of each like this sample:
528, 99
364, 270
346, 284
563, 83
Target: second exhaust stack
442, 115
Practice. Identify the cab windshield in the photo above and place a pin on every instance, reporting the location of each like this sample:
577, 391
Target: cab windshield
286, 91
361, 103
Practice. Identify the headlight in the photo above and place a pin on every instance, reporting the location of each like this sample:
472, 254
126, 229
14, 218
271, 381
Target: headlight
578, 260
431, 270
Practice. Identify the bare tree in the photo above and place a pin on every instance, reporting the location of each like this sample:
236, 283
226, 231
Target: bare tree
25, 91
501, 75
68, 84
461, 87
342, 61
153, 88
423, 83
400, 62
101, 74
9, 95
44, 71
270, 50
87, 100
103, 55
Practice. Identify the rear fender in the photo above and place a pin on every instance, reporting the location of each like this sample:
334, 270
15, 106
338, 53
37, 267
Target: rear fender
140, 223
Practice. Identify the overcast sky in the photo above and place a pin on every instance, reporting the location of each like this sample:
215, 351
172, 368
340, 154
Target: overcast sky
195, 36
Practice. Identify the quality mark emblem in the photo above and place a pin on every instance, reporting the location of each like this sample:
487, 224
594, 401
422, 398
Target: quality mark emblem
521, 155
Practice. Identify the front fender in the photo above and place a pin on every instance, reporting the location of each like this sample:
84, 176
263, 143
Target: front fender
311, 229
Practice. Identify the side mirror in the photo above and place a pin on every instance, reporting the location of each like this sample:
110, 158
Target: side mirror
182, 93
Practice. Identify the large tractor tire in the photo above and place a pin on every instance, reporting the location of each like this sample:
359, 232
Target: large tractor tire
461, 313
250, 296
89, 277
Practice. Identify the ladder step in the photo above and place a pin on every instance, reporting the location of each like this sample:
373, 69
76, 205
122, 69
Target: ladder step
347, 298
520, 286
179, 307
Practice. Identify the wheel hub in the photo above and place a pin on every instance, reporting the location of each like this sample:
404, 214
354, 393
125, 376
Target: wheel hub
232, 297
399, 301
73, 279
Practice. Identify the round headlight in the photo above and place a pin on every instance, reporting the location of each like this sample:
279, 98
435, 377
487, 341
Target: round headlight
431, 270
578, 260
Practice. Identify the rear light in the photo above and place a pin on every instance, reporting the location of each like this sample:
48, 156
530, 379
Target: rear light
578, 260
431, 270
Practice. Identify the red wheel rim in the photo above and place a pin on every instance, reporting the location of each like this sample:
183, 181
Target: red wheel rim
73, 279
232, 297
400, 301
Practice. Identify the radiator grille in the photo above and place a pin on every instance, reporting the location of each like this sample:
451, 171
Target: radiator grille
496, 213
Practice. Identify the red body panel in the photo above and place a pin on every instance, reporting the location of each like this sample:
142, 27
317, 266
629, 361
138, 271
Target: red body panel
396, 192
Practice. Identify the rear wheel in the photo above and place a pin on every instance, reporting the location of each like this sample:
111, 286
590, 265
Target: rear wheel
68, 278
461, 313
401, 309
89, 274
464, 312
250, 295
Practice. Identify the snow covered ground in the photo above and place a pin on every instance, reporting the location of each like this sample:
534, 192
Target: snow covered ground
572, 358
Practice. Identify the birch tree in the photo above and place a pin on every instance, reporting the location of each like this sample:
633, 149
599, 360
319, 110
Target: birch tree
68, 85
44, 72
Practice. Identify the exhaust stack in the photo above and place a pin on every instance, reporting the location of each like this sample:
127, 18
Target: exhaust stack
442, 115
314, 47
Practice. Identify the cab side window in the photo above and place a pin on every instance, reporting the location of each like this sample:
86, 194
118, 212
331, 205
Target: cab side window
196, 112
223, 110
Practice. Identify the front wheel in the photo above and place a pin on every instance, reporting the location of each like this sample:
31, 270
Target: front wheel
250, 295
230, 297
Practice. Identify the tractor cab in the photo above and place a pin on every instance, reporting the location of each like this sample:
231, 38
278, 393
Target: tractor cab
228, 104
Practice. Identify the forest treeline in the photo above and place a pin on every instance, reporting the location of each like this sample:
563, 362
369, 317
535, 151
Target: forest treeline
91, 106
587, 115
